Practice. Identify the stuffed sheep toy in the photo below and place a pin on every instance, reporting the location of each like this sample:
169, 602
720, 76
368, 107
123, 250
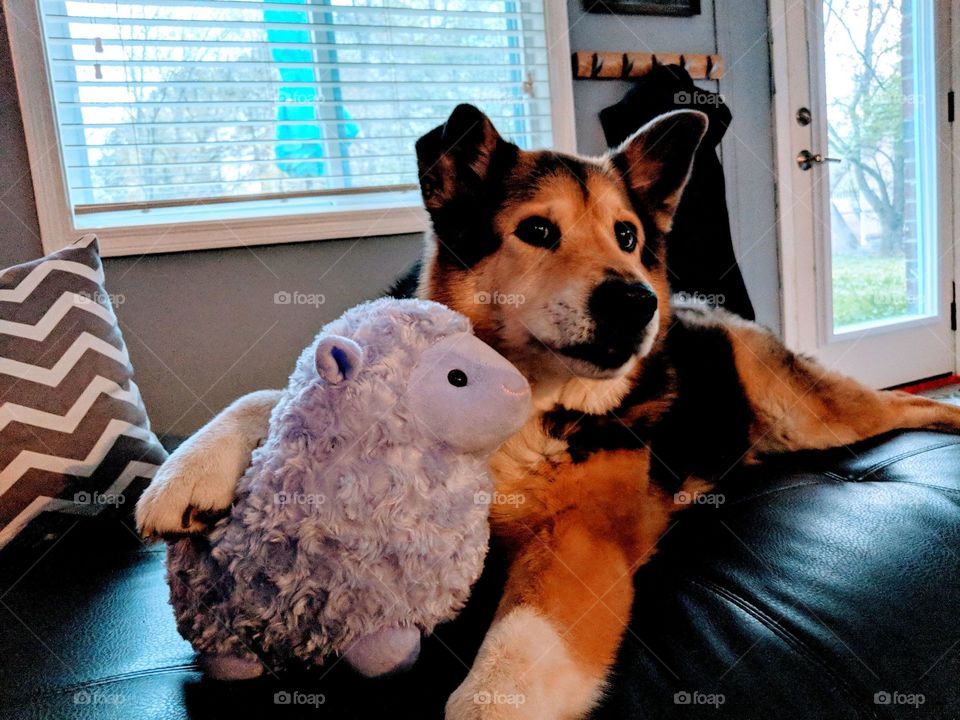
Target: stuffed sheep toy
362, 520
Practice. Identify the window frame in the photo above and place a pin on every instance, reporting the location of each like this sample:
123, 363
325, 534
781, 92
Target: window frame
363, 215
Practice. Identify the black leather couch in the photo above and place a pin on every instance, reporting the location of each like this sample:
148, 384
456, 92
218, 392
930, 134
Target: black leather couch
826, 585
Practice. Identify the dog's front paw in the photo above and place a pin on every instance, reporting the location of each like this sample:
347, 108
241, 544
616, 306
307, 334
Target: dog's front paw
524, 670
159, 515
191, 489
475, 700
180, 501
197, 483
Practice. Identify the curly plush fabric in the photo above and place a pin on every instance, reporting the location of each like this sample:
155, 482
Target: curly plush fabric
352, 517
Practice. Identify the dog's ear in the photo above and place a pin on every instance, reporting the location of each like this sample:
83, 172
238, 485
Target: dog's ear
454, 158
657, 159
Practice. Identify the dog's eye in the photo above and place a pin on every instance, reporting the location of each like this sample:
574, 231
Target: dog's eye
457, 378
626, 235
538, 231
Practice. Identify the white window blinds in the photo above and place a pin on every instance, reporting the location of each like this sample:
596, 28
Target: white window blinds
182, 101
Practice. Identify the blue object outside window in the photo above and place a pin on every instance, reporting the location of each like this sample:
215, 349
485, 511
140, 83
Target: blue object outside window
302, 155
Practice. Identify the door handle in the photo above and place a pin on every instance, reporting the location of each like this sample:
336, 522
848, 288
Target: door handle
806, 159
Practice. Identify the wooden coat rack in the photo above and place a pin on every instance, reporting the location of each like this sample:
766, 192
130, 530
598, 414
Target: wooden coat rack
624, 66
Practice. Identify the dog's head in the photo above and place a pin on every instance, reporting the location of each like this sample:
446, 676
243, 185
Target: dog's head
558, 260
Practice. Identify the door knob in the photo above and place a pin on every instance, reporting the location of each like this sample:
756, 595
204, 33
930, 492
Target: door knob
806, 159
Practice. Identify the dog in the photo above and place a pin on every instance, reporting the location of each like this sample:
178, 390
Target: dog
559, 262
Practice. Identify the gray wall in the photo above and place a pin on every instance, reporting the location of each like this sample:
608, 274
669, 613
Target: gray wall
19, 231
203, 327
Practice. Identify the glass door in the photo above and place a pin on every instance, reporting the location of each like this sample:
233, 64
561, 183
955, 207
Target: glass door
871, 170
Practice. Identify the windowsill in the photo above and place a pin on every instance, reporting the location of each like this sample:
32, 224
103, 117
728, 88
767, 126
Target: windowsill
258, 222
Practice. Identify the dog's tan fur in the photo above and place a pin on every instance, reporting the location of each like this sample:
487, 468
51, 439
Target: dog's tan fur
579, 512
199, 479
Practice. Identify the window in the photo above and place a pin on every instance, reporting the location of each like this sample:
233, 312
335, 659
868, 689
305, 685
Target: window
882, 124
195, 123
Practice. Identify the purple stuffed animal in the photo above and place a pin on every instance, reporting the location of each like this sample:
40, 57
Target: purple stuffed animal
362, 521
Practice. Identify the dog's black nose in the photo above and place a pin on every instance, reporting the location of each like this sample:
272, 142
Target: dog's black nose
629, 305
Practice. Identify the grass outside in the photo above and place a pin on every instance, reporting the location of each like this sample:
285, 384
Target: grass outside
868, 288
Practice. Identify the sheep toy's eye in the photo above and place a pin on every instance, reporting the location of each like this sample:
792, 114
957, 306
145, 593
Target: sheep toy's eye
457, 378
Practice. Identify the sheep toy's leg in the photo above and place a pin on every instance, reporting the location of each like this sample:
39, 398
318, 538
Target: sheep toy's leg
202, 475
231, 667
385, 651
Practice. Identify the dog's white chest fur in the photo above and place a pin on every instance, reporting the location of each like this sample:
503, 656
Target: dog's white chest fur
525, 451
532, 446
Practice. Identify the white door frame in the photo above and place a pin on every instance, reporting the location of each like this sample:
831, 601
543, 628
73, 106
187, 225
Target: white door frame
798, 207
953, 67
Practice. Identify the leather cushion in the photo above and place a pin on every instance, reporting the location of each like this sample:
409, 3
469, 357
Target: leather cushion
820, 581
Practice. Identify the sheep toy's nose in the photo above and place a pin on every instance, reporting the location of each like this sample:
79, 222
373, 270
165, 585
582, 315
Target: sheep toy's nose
384, 651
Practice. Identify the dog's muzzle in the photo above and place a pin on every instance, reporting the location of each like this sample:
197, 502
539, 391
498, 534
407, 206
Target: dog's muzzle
622, 306
621, 312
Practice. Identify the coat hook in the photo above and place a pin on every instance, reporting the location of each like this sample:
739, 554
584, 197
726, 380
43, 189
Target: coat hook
596, 65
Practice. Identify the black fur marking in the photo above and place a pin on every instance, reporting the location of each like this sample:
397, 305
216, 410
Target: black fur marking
405, 286
651, 255
657, 380
622, 165
549, 165
463, 225
706, 433
628, 427
579, 172
607, 355
461, 242
586, 434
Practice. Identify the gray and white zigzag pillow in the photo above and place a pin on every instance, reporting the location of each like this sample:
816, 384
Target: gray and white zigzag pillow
74, 434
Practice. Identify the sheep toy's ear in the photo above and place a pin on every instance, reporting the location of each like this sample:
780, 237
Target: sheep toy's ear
338, 358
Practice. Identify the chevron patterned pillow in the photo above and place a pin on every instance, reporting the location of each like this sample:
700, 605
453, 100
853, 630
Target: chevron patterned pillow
74, 435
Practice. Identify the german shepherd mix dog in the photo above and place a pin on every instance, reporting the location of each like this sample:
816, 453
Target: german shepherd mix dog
559, 262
